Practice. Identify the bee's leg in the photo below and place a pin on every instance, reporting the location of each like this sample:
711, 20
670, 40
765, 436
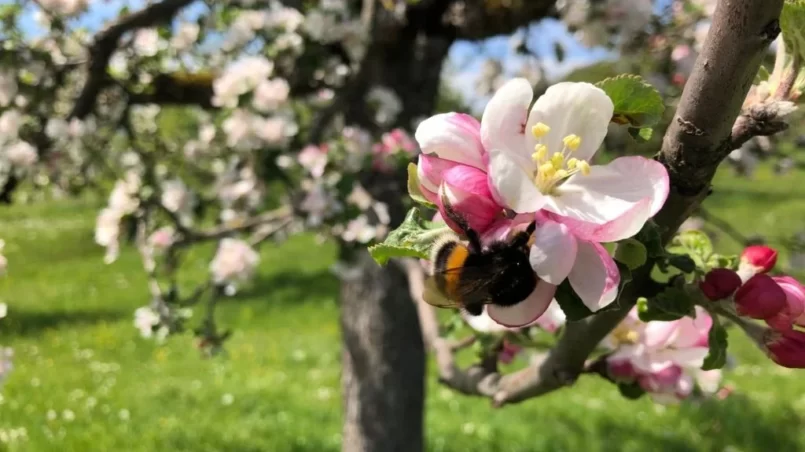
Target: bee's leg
521, 239
458, 219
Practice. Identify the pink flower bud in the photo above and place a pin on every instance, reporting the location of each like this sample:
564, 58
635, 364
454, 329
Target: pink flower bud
467, 190
794, 311
508, 352
786, 349
760, 298
621, 370
762, 257
720, 283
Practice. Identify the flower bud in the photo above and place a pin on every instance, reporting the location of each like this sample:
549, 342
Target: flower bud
760, 298
786, 349
761, 257
466, 190
794, 311
621, 370
720, 283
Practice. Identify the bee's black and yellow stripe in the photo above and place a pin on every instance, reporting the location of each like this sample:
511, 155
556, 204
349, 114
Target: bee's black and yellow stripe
451, 256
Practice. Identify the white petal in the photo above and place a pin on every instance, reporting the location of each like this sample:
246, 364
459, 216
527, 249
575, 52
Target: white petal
611, 191
572, 108
504, 119
525, 312
483, 323
450, 137
594, 276
512, 184
553, 252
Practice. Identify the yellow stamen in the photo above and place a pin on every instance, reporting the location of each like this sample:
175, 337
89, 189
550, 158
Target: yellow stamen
547, 170
584, 167
561, 174
571, 163
572, 142
540, 151
540, 130
558, 160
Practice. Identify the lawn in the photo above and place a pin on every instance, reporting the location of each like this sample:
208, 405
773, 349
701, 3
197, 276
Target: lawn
85, 381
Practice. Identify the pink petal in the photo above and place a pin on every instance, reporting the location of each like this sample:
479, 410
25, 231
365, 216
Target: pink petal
480, 212
503, 228
623, 227
553, 252
504, 119
659, 334
525, 312
452, 136
611, 191
693, 332
795, 304
430, 172
594, 276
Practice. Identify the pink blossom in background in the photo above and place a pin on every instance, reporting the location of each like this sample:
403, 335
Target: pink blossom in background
314, 159
162, 238
234, 260
21, 154
269, 95
664, 358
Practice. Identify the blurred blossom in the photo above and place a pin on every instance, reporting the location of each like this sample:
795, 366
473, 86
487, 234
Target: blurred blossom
387, 104
270, 94
360, 230
145, 319
162, 238
243, 27
107, 233
289, 42
10, 122
287, 19
318, 203
239, 78
314, 159
63, 7
123, 197
146, 42
21, 154
185, 36
630, 16
553, 318
177, 198
234, 260
8, 87
360, 197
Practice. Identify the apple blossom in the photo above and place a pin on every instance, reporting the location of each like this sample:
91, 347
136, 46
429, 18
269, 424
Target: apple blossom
452, 163
178, 199
21, 154
270, 94
553, 318
360, 230
314, 159
145, 319
239, 78
162, 238
756, 259
664, 358
541, 160
10, 122
185, 36
107, 232
387, 104
146, 42
234, 260
63, 7
760, 298
793, 313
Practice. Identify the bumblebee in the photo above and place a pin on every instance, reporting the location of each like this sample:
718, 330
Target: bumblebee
471, 276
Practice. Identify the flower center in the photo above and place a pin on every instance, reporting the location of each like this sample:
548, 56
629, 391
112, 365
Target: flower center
625, 335
553, 168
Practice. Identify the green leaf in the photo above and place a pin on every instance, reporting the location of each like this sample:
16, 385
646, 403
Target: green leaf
631, 391
673, 303
637, 103
717, 340
682, 262
413, 187
413, 238
792, 21
651, 238
641, 135
632, 253
695, 244
721, 261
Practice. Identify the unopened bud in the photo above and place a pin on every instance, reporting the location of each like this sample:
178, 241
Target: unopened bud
762, 257
760, 298
786, 349
720, 283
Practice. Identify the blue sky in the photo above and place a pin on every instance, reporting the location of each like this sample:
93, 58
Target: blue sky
463, 55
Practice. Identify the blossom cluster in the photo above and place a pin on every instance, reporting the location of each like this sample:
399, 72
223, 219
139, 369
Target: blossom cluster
514, 167
779, 301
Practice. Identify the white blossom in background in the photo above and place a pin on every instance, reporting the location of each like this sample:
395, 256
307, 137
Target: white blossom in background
185, 36
360, 230
270, 94
631, 16
145, 319
64, 7
387, 104
235, 260
8, 87
162, 238
314, 159
107, 233
239, 78
20, 154
177, 198
275, 130
284, 18
243, 28
318, 203
123, 197
10, 122
146, 42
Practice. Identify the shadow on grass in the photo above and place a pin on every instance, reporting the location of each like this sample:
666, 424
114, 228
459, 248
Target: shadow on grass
292, 287
29, 323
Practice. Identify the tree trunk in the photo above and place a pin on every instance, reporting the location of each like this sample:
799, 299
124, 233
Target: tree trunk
384, 356
383, 361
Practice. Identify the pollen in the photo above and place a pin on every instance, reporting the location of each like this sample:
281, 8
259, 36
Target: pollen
572, 142
572, 163
540, 152
584, 167
540, 130
558, 160
547, 170
561, 174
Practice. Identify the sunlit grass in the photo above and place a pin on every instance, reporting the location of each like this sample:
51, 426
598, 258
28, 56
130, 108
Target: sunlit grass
85, 381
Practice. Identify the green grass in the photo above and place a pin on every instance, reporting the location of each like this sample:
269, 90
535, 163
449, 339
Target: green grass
85, 381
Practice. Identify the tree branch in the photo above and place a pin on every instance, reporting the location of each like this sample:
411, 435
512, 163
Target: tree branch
105, 43
695, 143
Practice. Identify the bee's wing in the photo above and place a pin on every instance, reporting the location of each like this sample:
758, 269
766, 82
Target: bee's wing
435, 297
